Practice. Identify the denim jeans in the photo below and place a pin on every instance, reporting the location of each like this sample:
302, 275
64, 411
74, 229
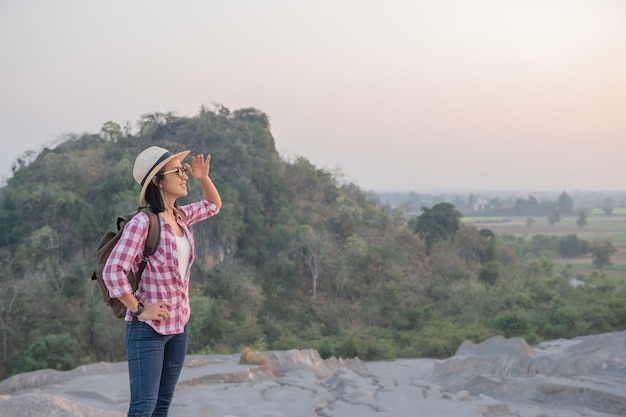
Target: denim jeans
155, 362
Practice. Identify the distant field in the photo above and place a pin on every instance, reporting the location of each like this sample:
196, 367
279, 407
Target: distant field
616, 211
599, 227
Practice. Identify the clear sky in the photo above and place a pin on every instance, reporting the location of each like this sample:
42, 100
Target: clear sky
462, 95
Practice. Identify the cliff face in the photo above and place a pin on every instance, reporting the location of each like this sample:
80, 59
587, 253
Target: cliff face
497, 378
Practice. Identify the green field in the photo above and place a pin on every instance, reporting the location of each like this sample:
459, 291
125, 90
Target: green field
598, 227
619, 211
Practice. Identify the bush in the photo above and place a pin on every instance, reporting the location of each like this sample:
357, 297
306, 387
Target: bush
441, 340
544, 246
490, 272
517, 323
511, 324
571, 246
565, 322
367, 344
206, 326
286, 341
326, 348
51, 351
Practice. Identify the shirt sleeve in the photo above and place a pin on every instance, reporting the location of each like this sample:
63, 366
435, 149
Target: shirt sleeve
199, 210
125, 255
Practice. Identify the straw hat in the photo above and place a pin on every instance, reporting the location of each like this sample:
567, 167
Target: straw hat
148, 163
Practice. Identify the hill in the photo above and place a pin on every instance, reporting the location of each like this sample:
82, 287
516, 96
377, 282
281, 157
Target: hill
295, 259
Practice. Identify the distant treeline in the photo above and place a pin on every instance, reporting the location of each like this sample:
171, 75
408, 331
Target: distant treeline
507, 204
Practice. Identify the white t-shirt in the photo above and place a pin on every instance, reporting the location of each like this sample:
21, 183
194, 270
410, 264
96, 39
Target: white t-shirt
184, 253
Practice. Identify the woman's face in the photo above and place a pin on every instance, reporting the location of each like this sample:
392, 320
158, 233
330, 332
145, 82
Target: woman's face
174, 180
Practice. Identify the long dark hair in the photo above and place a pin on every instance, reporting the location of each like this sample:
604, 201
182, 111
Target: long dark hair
153, 196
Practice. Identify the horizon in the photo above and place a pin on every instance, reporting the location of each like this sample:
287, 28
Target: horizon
431, 192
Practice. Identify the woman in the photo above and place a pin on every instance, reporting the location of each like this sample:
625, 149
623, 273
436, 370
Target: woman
157, 314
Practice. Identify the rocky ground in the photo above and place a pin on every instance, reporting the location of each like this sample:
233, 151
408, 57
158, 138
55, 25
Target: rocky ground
497, 378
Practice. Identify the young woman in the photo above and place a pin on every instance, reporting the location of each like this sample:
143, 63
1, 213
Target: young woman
157, 314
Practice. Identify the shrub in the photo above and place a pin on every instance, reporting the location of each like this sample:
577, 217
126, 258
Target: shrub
571, 246
326, 348
367, 344
55, 351
490, 273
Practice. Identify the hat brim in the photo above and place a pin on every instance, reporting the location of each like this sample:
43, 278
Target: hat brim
157, 168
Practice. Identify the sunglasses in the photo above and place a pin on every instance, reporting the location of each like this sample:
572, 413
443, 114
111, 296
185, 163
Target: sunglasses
181, 171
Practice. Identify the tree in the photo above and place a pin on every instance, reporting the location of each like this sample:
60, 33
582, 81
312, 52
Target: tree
554, 217
601, 251
490, 254
311, 249
608, 206
469, 244
438, 223
582, 218
24, 160
11, 289
111, 131
570, 246
495, 203
490, 273
565, 204
57, 351
475, 245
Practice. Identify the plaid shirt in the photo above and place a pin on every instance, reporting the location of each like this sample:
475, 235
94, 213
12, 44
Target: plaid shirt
161, 280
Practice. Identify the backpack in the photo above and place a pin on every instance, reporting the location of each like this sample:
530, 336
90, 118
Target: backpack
106, 245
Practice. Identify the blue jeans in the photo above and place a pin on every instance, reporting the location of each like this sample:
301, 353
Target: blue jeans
155, 362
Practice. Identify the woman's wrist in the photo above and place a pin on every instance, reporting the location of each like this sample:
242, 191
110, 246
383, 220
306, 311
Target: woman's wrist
140, 308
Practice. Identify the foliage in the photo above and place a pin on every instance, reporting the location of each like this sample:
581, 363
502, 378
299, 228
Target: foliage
582, 220
311, 249
571, 246
55, 351
601, 252
607, 207
554, 216
296, 258
438, 223
565, 204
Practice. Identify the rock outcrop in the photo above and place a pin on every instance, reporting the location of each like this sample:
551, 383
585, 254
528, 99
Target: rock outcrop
590, 371
499, 377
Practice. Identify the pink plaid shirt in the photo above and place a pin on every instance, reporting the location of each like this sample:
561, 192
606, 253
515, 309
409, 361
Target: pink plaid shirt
161, 280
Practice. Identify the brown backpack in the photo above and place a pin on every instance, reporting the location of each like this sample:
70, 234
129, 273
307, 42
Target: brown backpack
106, 245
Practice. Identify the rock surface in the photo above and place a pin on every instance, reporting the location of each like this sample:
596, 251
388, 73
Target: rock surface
500, 377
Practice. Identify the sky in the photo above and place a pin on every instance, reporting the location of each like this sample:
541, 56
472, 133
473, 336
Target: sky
397, 95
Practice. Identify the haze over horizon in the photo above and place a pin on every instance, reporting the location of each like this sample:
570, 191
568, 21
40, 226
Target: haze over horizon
399, 95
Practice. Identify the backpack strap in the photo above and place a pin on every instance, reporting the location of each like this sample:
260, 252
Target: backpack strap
152, 239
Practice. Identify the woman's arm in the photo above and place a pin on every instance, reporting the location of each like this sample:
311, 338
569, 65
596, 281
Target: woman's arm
157, 311
210, 192
199, 169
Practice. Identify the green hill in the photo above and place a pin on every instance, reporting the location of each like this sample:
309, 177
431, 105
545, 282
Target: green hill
295, 259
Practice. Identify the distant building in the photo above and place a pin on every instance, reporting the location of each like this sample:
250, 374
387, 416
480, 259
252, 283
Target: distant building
481, 204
